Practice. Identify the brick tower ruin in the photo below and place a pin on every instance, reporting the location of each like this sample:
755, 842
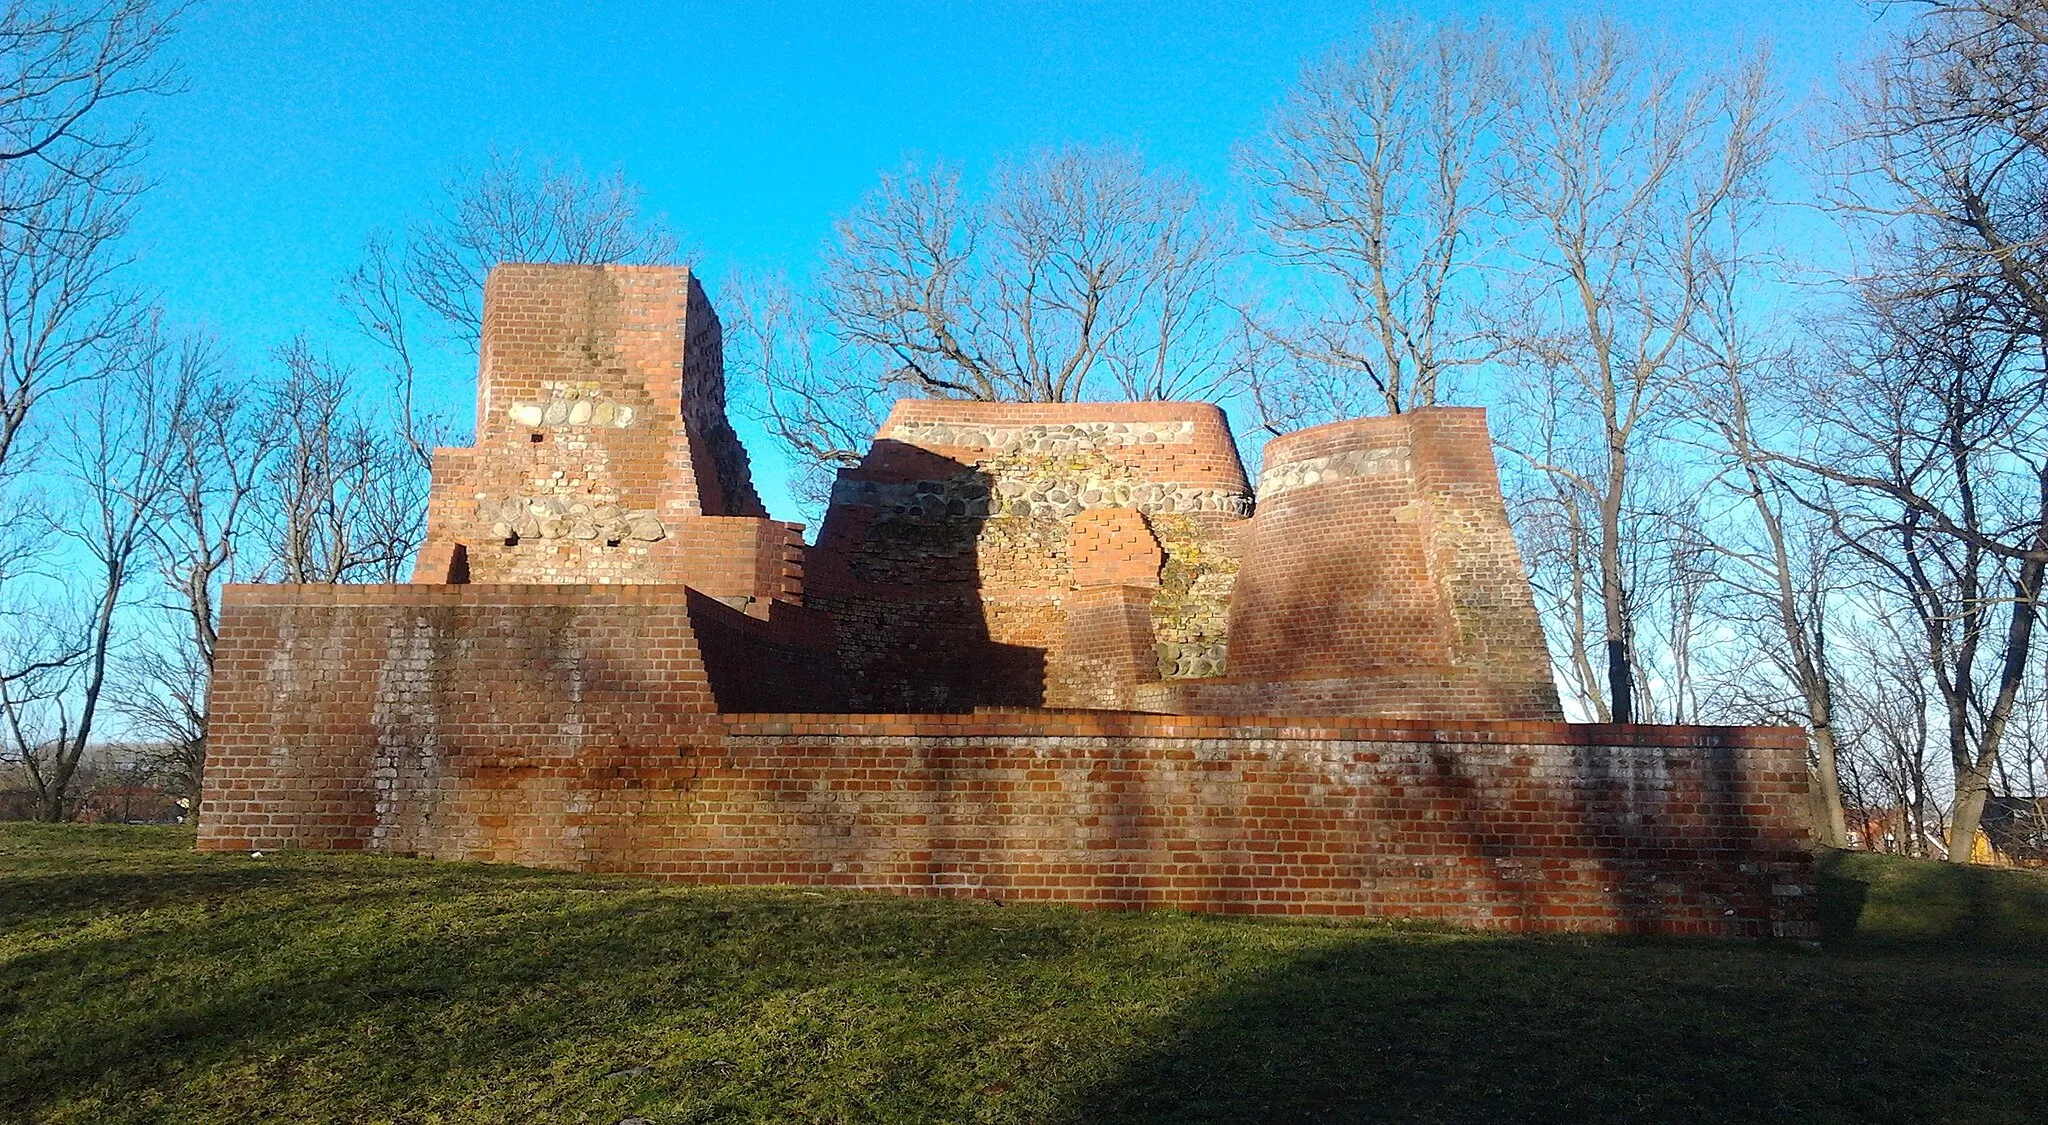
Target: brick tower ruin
1037, 651
603, 453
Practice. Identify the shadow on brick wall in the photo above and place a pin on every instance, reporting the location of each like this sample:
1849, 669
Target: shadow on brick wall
1505, 879
898, 565
784, 660
1646, 820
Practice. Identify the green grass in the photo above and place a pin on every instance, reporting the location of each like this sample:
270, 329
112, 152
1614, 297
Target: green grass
140, 981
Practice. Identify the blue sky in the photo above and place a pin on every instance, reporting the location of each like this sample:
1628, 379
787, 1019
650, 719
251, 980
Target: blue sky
307, 125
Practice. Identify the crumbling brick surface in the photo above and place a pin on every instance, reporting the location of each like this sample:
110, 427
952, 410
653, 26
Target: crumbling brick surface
612, 661
374, 716
952, 555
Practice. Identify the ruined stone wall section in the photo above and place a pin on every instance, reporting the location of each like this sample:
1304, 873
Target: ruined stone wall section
600, 596
1379, 577
1191, 606
1495, 628
603, 453
958, 522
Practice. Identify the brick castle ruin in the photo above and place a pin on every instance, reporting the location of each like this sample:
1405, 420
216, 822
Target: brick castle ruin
1037, 652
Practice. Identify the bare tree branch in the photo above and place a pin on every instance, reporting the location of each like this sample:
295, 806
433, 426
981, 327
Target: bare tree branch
512, 211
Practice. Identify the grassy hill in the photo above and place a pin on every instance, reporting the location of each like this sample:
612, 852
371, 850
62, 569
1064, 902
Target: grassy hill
140, 981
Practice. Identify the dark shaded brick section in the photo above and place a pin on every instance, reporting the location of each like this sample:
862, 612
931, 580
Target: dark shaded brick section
786, 659
951, 555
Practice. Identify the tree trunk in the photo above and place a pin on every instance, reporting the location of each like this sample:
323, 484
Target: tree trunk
1973, 784
1620, 680
1620, 676
1829, 822
1973, 791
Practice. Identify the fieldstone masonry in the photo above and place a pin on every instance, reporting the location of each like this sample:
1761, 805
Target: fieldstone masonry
1038, 651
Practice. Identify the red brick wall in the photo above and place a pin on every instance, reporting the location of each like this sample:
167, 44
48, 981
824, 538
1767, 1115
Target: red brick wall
1535, 826
495, 722
1107, 652
1113, 547
374, 716
1442, 694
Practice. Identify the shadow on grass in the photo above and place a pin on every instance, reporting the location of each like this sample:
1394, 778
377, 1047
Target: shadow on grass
1879, 901
1541, 1030
1927, 1004
342, 988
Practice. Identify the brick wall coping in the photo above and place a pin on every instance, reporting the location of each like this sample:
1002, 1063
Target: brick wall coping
683, 272
478, 593
1136, 724
1281, 448
1044, 413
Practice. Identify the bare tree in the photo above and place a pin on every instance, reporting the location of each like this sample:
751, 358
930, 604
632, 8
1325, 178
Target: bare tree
119, 468
375, 296
1887, 764
1940, 422
797, 385
1674, 572
60, 304
1936, 430
1375, 177
68, 145
221, 451
512, 211
1557, 522
340, 500
1081, 273
1620, 168
68, 120
1778, 547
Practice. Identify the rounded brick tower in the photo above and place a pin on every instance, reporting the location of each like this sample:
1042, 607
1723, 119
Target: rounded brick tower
1379, 576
